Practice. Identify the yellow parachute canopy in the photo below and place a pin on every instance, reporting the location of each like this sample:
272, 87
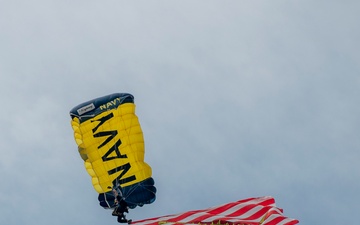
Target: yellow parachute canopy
111, 143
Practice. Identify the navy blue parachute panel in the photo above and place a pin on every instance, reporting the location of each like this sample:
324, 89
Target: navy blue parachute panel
134, 195
107, 200
140, 193
89, 109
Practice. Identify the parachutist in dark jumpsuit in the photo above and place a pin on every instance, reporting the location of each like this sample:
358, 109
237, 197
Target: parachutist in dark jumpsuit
120, 210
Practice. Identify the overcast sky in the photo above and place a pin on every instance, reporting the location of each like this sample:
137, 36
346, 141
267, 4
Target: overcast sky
236, 99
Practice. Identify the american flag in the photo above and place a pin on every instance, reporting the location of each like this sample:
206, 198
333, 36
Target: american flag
251, 211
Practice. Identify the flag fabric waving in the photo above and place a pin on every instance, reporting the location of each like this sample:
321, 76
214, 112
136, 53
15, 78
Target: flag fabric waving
251, 211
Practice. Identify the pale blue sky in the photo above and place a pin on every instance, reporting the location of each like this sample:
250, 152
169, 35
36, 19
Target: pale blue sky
236, 99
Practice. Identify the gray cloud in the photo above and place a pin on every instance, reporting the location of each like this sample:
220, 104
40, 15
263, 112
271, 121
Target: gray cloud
236, 100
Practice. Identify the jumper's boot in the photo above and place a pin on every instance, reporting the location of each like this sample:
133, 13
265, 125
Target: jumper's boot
122, 219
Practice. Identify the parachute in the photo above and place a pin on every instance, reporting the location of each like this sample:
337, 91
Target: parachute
111, 143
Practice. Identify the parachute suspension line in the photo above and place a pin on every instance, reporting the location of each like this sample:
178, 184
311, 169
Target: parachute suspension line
107, 203
132, 190
149, 189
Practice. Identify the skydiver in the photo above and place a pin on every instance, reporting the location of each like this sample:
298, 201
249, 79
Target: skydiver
120, 210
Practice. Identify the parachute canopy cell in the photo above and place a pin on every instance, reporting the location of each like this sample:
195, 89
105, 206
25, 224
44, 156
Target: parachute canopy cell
111, 143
